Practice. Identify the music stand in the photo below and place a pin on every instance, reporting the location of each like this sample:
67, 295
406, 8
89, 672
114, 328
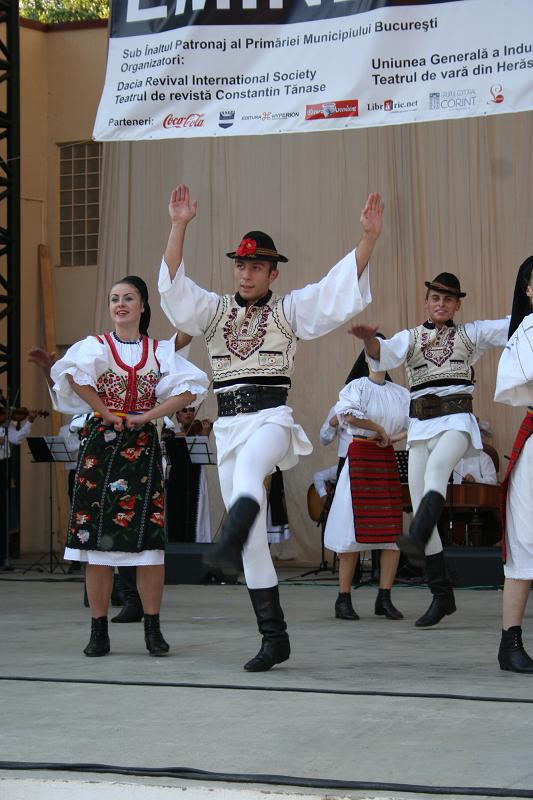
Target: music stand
199, 450
49, 450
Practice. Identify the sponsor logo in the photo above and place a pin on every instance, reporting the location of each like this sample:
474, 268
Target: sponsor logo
397, 106
189, 121
226, 119
336, 108
496, 94
453, 100
268, 116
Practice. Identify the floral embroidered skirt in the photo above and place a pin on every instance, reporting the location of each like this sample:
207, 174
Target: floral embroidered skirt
118, 500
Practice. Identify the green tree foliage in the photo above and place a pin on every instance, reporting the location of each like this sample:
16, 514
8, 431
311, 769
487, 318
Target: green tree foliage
63, 10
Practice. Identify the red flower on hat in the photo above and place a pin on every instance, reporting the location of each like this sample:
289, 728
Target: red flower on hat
246, 248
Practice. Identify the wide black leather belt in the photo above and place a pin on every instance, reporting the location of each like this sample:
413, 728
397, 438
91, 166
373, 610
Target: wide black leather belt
249, 399
430, 406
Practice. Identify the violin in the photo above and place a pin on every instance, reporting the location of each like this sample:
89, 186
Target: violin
19, 413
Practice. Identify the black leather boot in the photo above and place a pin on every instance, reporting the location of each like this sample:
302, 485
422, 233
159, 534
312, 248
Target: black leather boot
99, 642
155, 644
443, 603
384, 606
426, 517
511, 654
344, 608
132, 610
226, 552
275, 646
117, 598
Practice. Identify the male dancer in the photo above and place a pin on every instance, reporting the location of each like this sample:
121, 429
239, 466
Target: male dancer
251, 338
438, 356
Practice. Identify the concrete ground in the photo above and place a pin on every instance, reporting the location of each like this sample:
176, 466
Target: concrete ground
391, 710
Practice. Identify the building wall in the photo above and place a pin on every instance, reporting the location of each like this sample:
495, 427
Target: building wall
62, 72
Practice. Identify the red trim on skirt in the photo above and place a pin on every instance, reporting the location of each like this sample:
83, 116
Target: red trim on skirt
524, 432
376, 492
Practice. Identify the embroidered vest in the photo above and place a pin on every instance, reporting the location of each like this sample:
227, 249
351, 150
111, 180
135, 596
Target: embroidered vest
439, 357
124, 388
250, 345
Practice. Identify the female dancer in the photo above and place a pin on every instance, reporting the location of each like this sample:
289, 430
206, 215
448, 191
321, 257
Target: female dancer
366, 513
514, 386
127, 380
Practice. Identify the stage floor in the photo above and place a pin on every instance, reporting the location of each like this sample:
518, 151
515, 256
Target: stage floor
368, 702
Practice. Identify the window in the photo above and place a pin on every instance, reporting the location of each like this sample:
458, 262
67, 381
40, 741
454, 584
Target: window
79, 205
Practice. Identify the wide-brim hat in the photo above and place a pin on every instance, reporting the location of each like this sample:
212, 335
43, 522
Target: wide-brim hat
257, 246
446, 282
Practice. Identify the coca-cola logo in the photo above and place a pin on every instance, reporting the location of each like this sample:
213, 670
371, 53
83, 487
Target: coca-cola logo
189, 121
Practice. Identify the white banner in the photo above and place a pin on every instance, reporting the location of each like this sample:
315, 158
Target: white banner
189, 68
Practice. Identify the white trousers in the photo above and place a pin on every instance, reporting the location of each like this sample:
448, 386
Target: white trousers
431, 462
242, 474
519, 517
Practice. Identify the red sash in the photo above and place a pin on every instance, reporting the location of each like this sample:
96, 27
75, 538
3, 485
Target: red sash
376, 492
524, 432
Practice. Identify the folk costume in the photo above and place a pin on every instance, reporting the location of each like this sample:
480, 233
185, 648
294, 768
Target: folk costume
442, 428
514, 386
251, 350
117, 515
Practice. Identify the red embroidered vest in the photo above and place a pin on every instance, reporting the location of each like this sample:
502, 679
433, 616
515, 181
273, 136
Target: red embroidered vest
124, 388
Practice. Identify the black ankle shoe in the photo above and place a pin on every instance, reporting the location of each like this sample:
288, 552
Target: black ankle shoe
384, 606
131, 612
155, 644
99, 644
511, 655
344, 608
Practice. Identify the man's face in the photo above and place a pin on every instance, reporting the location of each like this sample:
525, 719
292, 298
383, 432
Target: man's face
441, 307
253, 278
185, 416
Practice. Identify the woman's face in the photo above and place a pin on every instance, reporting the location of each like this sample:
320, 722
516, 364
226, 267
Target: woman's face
529, 289
125, 304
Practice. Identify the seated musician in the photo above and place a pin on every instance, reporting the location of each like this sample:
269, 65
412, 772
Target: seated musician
187, 509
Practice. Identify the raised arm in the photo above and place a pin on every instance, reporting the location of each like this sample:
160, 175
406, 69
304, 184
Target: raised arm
372, 221
367, 333
181, 211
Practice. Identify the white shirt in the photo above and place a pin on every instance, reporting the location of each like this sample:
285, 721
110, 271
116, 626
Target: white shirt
514, 383
329, 432
85, 361
386, 404
316, 309
483, 334
319, 479
14, 436
481, 468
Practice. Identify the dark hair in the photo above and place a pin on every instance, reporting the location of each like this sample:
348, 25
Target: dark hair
360, 367
142, 288
521, 303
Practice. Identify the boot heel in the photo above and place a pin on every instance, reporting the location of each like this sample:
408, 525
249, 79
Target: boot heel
99, 644
155, 643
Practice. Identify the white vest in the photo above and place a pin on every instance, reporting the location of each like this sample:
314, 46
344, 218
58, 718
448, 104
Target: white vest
439, 357
251, 345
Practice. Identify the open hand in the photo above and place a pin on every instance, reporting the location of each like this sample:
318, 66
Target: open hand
372, 215
42, 358
180, 207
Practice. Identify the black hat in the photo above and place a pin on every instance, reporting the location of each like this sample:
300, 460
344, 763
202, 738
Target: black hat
258, 246
446, 282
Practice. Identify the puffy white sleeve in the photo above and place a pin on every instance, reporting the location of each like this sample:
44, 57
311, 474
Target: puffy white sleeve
321, 307
327, 431
188, 307
351, 401
392, 352
85, 361
487, 333
514, 382
178, 375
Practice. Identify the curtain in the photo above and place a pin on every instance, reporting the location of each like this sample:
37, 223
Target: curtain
457, 198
